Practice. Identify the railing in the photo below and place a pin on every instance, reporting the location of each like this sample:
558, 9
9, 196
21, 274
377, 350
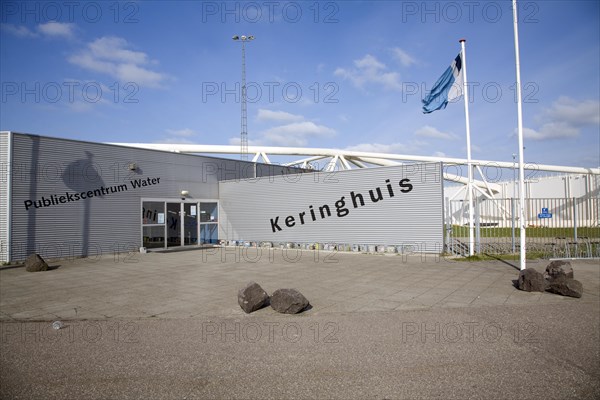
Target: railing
555, 228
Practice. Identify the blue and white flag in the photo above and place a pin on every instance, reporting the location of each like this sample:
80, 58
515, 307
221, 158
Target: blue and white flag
447, 88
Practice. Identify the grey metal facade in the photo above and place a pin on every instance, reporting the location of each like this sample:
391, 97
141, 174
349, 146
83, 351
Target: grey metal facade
403, 205
54, 215
4, 190
65, 198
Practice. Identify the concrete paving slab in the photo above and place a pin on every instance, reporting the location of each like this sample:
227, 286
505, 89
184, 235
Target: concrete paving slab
168, 326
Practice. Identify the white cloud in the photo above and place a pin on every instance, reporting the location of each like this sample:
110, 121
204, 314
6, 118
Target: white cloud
48, 29
178, 136
369, 70
439, 154
369, 62
269, 115
295, 133
403, 57
19, 31
174, 140
139, 75
564, 119
551, 130
114, 48
57, 29
390, 148
565, 109
430, 131
110, 56
292, 131
235, 141
185, 132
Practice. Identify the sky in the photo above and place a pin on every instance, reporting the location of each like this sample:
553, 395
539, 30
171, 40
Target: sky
347, 74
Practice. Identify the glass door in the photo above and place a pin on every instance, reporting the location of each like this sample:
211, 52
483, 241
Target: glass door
173, 222
153, 224
190, 225
179, 223
209, 223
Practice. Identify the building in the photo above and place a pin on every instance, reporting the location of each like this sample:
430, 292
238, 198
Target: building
66, 198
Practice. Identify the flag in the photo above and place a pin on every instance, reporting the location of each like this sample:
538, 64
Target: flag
447, 88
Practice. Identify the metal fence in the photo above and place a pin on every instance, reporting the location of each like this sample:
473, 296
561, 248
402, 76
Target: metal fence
555, 228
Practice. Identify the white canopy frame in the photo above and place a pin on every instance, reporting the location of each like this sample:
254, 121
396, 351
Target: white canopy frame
337, 159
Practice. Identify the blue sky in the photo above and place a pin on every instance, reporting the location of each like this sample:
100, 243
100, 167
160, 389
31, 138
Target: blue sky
320, 74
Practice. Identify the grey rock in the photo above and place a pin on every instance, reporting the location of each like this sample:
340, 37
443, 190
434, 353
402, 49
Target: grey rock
35, 263
566, 287
252, 297
531, 280
559, 269
288, 301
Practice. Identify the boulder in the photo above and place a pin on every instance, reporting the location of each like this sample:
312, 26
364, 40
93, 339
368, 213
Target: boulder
531, 280
288, 301
566, 287
252, 297
559, 269
35, 263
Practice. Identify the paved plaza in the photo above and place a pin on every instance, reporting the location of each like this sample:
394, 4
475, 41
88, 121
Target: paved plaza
167, 325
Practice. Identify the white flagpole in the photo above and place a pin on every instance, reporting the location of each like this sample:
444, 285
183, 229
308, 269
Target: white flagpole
469, 166
523, 251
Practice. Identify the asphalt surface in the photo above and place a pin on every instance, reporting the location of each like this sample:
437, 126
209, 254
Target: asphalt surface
503, 351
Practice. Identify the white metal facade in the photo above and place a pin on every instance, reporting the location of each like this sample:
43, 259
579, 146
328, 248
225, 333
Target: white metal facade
5, 141
325, 207
67, 198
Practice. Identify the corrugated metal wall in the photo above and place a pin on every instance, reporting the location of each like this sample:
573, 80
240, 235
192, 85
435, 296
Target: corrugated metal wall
44, 167
281, 209
4, 162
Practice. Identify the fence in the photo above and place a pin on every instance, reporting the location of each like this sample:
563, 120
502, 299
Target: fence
555, 228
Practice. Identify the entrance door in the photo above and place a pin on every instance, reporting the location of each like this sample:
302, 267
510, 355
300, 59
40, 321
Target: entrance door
174, 224
209, 223
173, 221
190, 223
153, 224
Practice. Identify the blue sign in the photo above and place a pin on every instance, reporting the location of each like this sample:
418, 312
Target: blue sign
545, 213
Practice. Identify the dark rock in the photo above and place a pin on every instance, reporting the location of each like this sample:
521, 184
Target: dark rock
531, 280
35, 263
559, 269
566, 287
288, 301
252, 297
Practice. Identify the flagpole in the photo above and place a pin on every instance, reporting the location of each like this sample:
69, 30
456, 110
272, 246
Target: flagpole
469, 166
523, 250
